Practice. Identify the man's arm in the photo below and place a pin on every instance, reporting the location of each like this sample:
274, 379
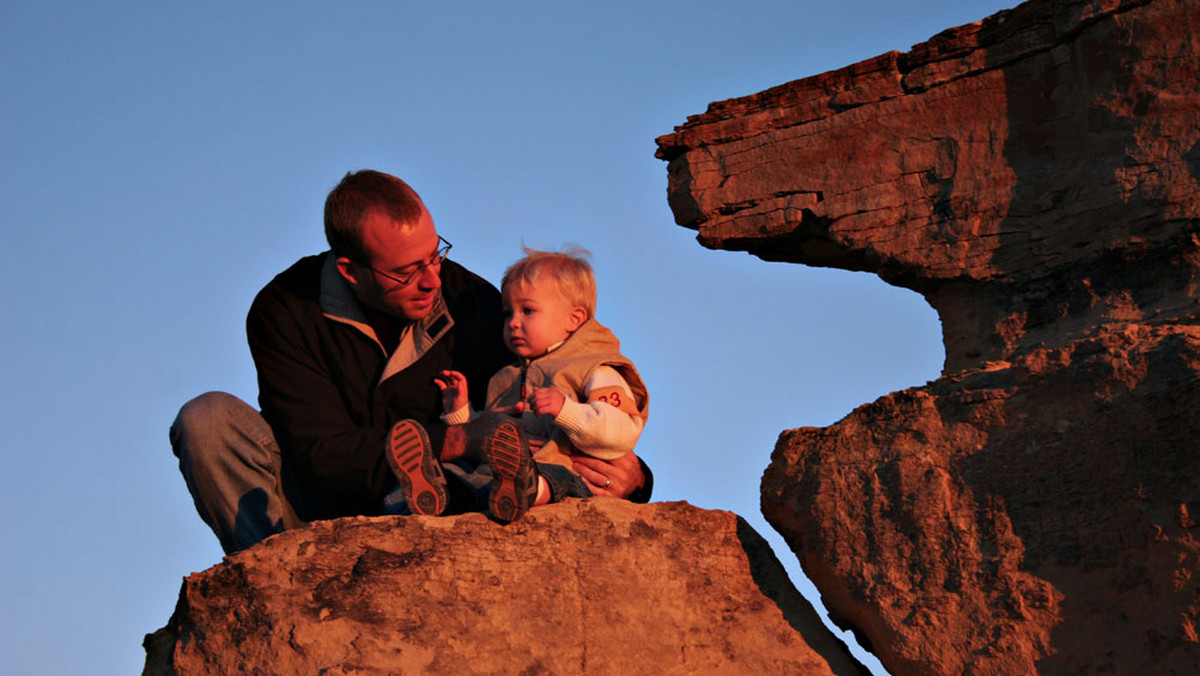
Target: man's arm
624, 477
309, 409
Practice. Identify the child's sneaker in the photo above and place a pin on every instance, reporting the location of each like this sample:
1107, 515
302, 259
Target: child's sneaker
514, 474
412, 460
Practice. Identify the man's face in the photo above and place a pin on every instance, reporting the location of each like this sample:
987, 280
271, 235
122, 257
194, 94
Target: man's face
400, 251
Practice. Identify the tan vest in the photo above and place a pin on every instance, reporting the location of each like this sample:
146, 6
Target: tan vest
567, 369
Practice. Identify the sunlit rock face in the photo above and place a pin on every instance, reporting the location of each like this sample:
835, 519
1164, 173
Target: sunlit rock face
1036, 177
600, 586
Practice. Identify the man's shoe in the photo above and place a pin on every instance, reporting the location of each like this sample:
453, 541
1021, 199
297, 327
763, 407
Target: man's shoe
414, 463
514, 474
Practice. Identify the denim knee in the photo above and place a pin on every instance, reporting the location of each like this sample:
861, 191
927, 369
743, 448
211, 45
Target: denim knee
209, 418
563, 482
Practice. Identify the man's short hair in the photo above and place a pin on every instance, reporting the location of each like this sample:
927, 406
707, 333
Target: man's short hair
359, 193
568, 269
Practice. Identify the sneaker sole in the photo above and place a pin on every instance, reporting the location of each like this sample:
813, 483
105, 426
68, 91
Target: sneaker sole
512, 469
410, 456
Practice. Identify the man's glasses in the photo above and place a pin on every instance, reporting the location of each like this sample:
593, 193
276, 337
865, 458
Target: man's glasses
436, 259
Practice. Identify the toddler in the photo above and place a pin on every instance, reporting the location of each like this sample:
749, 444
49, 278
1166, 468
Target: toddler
570, 390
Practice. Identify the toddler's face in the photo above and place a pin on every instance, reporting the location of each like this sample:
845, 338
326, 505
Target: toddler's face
537, 317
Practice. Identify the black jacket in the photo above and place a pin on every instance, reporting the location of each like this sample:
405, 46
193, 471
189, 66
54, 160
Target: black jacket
319, 372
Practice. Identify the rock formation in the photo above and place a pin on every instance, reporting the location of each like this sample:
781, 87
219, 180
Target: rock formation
1036, 177
583, 587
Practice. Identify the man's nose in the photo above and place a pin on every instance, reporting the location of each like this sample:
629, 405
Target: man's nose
431, 277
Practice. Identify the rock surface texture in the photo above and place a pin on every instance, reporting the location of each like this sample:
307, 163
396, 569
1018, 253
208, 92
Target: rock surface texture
1036, 177
584, 587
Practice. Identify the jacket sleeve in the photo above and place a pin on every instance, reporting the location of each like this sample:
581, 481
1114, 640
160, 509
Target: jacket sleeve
328, 444
600, 429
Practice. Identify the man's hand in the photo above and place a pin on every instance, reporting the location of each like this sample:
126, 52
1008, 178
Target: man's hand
617, 478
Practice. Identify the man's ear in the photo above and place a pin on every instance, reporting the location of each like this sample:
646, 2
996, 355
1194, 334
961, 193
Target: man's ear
578, 317
348, 270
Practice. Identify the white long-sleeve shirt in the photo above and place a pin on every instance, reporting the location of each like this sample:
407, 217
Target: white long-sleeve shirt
594, 426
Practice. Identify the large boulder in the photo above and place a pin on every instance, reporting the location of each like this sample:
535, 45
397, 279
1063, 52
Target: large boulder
1036, 177
599, 586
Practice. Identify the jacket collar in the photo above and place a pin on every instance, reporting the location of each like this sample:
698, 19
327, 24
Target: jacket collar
339, 304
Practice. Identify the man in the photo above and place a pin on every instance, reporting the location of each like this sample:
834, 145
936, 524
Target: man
346, 344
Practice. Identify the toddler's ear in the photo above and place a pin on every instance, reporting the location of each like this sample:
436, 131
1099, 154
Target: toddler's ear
578, 317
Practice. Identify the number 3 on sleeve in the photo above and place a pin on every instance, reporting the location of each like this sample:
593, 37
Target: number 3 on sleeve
614, 396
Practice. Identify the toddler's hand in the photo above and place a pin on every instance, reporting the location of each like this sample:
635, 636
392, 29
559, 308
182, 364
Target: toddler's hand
454, 390
546, 401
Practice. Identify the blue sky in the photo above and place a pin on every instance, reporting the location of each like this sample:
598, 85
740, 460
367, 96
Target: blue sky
160, 162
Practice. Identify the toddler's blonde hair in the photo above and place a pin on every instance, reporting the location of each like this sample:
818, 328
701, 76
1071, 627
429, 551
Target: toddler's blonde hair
568, 269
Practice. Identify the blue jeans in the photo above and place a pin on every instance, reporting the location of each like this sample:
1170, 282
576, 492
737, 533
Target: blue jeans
563, 482
231, 463
469, 486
